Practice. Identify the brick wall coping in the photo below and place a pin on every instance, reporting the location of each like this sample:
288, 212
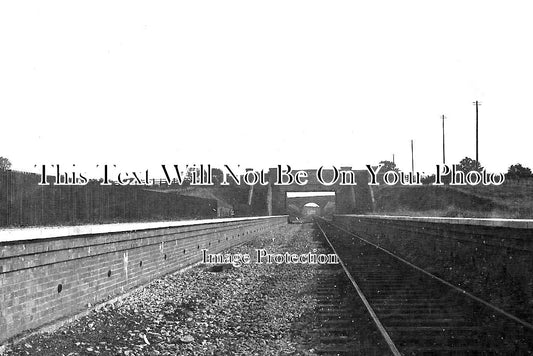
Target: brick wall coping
489, 222
48, 232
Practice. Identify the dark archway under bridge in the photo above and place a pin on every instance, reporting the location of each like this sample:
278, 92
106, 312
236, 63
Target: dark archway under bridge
301, 203
349, 199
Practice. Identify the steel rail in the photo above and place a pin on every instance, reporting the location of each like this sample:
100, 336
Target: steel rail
375, 318
457, 289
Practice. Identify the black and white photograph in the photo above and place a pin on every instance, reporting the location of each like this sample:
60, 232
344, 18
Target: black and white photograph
266, 178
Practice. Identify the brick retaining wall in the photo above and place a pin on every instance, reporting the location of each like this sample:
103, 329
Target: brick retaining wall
49, 276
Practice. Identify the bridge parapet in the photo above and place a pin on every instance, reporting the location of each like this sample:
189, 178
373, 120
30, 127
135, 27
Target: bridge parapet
47, 274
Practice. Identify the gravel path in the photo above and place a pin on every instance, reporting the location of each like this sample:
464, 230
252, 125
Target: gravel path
256, 309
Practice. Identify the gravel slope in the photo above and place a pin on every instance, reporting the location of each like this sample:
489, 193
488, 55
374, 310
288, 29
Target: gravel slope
255, 309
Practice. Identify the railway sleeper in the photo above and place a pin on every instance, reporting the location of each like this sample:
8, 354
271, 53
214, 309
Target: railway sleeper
394, 322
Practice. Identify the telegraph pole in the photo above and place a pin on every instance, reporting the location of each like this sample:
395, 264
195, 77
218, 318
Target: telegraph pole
443, 142
476, 103
412, 158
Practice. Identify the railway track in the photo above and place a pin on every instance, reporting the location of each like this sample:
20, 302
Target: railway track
343, 323
417, 313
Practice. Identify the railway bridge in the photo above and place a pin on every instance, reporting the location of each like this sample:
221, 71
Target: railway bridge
349, 199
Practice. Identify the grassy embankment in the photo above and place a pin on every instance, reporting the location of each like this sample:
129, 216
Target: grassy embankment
511, 200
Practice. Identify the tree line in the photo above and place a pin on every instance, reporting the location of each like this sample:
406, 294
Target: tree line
514, 172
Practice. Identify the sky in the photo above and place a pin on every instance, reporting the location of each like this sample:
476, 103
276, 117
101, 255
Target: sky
256, 84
